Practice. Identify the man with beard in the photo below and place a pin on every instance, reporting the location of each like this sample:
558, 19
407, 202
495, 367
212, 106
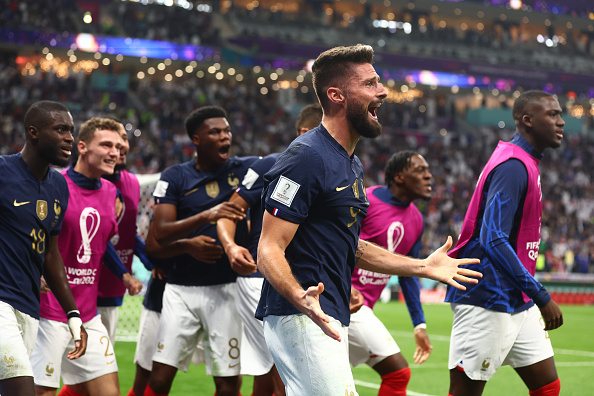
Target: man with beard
126, 242
190, 198
32, 206
395, 223
315, 200
499, 321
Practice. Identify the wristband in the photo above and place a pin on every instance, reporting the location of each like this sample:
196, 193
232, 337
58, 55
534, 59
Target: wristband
74, 323
421, 326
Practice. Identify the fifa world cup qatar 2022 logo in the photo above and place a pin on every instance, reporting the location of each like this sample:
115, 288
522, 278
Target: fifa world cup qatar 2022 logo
89, 225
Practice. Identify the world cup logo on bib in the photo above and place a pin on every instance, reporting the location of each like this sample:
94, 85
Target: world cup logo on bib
89, 225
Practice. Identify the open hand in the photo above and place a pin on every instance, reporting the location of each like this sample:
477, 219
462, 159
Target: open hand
424, 347
441, 267
309, 304
80, 346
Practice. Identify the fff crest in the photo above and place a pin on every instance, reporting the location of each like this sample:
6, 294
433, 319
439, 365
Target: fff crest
212, 189
42, 209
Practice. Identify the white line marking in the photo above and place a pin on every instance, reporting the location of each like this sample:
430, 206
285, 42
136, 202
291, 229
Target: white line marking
432, 337
573, 352
574, 364
376, 386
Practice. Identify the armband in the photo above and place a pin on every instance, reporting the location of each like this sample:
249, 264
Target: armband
74, 323
421, 326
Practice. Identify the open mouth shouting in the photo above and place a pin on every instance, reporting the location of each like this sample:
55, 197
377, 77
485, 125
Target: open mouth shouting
224, 150
372, 110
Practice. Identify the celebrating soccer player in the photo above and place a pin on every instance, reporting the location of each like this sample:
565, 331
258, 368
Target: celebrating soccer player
396, 224
32, 205
496, 322
199, 298
315, 201
89, 222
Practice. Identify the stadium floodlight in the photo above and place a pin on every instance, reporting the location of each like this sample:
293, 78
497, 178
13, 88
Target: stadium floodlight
515, 4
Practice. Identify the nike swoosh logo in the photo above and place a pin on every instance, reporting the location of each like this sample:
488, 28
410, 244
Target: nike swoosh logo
234, 365
342, 188
20, 203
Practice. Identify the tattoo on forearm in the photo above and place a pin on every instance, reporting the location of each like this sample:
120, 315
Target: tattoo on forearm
360, 250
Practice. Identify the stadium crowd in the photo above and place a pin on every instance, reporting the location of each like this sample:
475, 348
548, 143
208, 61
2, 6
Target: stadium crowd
495, 42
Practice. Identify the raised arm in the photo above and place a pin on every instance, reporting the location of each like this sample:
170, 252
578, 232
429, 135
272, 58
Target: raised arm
56, 279
438, 266
240, 258
272, 263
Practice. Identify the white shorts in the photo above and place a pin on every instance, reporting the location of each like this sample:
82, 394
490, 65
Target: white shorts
54, 341
193, 313
147, 338
109, 318
308, 361
17, 341
255, 356
369, 340
483, 340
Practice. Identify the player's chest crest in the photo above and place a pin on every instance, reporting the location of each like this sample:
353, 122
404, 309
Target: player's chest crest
212, 189
41, 209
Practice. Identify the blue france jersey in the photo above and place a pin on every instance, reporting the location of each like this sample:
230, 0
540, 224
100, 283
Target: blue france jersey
193, 191
250, 189
315, 184
31, 212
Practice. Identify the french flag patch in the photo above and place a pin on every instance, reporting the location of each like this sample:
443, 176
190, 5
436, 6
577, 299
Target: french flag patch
275, 212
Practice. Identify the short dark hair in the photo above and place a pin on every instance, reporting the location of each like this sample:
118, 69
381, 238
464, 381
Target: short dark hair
309, 117
196, 118
38, 112
332, 68
88, 128
524, 100
397, 163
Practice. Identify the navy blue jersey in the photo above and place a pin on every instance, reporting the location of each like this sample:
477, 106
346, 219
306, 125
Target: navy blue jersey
316, 184
250, 189
504, 275
193, 191
31, 212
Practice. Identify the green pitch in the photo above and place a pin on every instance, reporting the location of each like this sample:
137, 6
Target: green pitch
573, 344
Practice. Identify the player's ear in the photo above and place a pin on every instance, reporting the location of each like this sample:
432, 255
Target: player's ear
33, 132
527, 120
398, 178
336, 95
82, 147
196, 139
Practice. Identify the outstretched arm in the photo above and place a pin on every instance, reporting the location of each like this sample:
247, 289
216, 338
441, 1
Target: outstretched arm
56, 279
272, 263
240, 258
438, 266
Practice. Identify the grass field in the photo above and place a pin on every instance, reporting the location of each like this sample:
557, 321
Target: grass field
573, 344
